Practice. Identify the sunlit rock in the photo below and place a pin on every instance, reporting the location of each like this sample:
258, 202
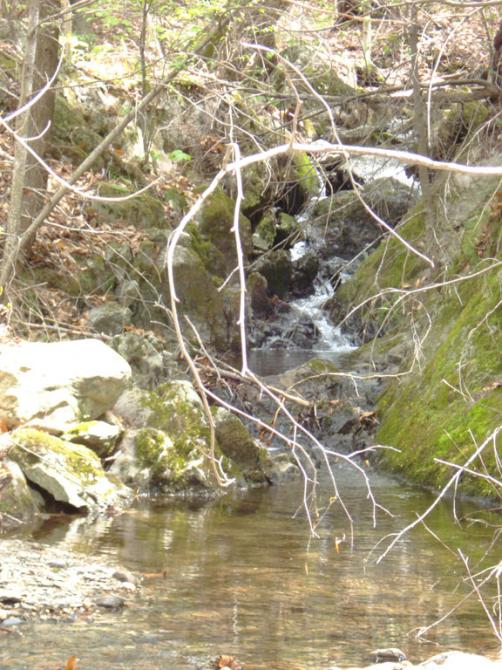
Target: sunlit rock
59, 382
69, 473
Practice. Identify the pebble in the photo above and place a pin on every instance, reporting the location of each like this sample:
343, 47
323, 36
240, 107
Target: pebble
111, 602
388, 654
124, 576
56, 585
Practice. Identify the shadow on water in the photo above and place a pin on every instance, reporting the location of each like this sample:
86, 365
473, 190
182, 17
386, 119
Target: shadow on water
244, 577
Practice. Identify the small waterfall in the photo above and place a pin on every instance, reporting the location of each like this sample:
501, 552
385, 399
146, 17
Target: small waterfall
330, 336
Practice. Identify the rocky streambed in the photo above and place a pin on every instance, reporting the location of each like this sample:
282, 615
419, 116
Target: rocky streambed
44, 583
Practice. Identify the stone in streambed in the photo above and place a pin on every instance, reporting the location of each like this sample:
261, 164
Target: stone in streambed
111, 602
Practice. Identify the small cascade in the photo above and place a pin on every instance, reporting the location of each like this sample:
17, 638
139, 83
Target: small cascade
330, 336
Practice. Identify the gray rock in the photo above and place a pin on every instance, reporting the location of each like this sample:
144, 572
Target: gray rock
17, 504
111, 602
70, 473
59, 382
345, 224
131, 408
144, 354
388, 654
110, 318
99, 436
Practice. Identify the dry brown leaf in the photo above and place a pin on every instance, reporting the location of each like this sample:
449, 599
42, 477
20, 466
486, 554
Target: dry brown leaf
71, 663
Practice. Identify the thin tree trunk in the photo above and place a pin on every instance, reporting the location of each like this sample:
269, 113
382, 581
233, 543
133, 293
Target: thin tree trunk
420, 123
29, 178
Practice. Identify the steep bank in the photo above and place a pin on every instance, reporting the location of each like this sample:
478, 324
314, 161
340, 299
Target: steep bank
444, 327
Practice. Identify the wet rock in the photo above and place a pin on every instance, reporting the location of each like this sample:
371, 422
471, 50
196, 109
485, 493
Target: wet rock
348, 228
388, 654
70, 473
110, 318
111, 602
287, 226
305, 270
236, 443
59, 382
277, 269
257, 287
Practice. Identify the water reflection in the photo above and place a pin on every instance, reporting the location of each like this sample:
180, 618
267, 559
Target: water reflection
244, 577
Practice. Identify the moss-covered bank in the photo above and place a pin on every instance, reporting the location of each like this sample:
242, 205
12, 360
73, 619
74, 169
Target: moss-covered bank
449, 323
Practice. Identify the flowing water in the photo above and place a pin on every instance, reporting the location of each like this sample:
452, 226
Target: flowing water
244, 577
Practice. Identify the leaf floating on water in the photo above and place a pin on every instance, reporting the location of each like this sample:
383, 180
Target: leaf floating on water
71, 663
338, 542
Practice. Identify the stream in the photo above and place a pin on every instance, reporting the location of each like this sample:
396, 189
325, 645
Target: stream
243, 577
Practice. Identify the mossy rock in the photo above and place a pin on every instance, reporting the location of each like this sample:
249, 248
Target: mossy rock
72, 136
70, 473
277, 268
211, 257
456, 401
199, 298
216, 221
175, 410
390, 267
152, 447
265, 232
143, 211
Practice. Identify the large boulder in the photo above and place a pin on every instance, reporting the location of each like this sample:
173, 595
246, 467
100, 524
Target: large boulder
59, 382
69, 473
167, 445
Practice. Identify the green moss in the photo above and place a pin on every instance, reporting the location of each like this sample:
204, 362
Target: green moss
306, 173
456, 402
320, 366
211, 257
216, 221
33, 444
151, 450
391, 265
265, 232
175, 411
144, 211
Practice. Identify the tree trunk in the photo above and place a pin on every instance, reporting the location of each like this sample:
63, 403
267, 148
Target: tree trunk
29, 178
